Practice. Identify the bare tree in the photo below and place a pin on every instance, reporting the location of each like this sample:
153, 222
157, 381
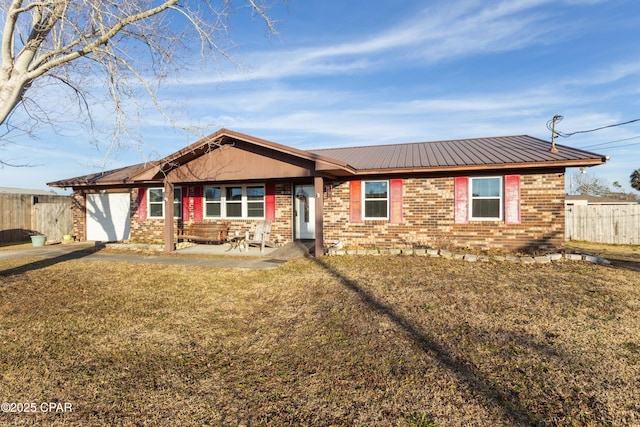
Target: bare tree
589, 185
121, 46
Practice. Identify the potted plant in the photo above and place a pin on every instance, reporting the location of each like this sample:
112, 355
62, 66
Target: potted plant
38, 239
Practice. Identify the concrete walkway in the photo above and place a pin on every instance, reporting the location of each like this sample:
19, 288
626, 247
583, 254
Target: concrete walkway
192, 256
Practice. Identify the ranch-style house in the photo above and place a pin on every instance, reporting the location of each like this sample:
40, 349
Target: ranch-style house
505, 193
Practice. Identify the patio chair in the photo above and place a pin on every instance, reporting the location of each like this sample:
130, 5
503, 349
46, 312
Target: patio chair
260, 235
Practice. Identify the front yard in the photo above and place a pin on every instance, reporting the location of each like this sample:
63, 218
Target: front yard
370, 341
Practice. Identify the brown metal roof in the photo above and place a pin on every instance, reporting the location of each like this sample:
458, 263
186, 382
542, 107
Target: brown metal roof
507, 152
477, 153
121, 176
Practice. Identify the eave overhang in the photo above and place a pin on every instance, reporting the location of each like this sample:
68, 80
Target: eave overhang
486, 167
116, 178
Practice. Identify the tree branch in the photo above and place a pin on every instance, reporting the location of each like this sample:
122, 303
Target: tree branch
261, 11
45, 17
8, 35
102, 40
44, 38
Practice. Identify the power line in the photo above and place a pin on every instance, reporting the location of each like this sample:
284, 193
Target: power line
557, 118
612, 142
625, 145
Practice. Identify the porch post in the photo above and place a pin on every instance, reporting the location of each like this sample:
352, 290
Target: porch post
168, 216
318, 189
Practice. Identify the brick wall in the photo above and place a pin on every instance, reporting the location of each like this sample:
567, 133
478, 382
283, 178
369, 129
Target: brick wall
282, 228
428, 218
79, 213
152, 230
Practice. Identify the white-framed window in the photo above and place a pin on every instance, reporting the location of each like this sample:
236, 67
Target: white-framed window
375, 198
155, 201
155, 197
213, 202
255, 201
486, 198
235, 201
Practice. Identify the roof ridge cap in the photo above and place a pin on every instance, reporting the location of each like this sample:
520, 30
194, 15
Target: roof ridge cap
423, 142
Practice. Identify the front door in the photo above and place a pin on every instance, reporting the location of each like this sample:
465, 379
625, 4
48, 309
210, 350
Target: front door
304, 211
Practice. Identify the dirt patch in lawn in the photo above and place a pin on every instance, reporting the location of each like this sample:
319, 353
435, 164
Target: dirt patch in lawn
346, 341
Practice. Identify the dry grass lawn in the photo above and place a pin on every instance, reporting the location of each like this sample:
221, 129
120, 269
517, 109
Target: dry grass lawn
344, 341
624, 256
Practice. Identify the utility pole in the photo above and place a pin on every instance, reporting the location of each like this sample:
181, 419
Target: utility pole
555, 119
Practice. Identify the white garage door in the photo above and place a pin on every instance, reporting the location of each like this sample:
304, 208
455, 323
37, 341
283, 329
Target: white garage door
108, 217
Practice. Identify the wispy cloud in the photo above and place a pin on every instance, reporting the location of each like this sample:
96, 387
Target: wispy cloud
437, 72
470, 28
607, 74
348, 117
440, 32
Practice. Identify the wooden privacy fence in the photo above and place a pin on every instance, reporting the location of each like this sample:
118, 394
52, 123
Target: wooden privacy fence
22, 215
616, 224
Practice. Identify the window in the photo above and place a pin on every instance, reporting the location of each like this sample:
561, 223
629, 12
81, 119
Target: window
213, 202
156, 202
486, 198
255, 202
235, 202
376, 199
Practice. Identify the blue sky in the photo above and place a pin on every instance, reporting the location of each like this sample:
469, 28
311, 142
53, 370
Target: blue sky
344, 73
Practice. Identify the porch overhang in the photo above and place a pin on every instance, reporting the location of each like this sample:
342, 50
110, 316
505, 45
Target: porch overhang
232, 156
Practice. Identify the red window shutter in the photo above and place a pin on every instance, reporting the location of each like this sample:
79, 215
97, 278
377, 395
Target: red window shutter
142, 204
512, 199
461, 195
355, 201
270, 201
185, 203
395, 216
197, 203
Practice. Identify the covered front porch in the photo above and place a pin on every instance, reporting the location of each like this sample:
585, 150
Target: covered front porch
287, 185
290, 212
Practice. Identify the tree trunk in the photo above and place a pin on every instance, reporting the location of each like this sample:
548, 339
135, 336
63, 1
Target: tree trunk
12, 86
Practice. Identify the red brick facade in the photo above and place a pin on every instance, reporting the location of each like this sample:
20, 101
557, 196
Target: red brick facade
428, 218
79, 209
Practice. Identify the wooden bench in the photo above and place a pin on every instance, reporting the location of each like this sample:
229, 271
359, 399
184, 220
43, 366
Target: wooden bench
206, 231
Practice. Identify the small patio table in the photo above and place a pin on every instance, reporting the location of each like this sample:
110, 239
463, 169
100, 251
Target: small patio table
238, 241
